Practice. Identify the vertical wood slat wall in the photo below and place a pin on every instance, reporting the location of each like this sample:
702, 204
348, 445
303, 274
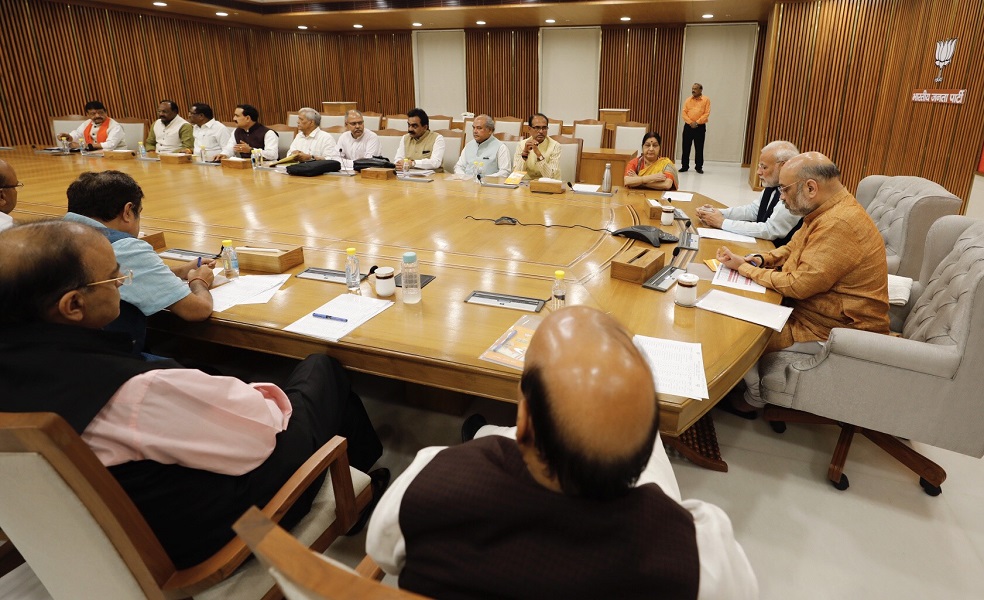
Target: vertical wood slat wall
640, 70
503, 71
56, 56
760, 45
842, 82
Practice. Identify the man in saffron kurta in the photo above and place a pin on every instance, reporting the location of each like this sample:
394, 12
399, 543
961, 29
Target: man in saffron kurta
696, 111
833, 270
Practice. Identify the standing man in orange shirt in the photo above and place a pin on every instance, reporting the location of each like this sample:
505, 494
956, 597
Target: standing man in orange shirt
696, 110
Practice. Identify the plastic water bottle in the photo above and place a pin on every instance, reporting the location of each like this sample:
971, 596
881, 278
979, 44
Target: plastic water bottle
201, 152
253, 157
353, 278
230, 260
142, 149
606, 180
410, 278
559, 295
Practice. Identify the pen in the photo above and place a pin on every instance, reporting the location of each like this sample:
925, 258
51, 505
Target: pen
330, 317
199, 262
505, 341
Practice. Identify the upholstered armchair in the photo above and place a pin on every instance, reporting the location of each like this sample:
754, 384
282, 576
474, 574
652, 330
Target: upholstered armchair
904, 208
923, 386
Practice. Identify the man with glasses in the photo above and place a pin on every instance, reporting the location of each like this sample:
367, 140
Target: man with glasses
538, 155
766, 219
484, 155
357, 143
250, 134
834, 271
421, 148
8, 194
312, 142
99, 132
111, 202
193, 451
210, 135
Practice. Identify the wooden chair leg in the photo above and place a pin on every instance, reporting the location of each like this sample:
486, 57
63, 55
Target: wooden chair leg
836, 471
10, 558
917, 463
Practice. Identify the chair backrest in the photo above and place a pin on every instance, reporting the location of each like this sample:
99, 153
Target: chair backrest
371, 120
555, 127
510, 125
570, 157
903, 209
453, 144
335, 131
332, 121
395, 122
134, 131
65, 124
285, 137
389, 142
69, 518
590, 130
510, 141
231, 126
628, 135
303, 574
438, 122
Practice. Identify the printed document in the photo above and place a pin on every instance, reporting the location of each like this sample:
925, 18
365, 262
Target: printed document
733, 279
247, 289
678, 367
754, 311
720, 234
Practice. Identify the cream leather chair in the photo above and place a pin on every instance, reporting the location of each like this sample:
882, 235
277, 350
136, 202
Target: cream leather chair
510, 125
923, 386
454, 143
510, 141
371, 120
134, 132
389, 142
591, 131
570, 157
65, 124
437, 122
904, 208
82, 536
628, 136
285, 137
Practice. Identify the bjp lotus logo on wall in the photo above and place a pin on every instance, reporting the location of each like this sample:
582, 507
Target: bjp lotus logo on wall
944, 54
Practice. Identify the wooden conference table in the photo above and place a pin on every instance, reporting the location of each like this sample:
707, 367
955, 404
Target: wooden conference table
438, 341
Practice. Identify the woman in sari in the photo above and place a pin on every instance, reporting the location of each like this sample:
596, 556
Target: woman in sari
650, 170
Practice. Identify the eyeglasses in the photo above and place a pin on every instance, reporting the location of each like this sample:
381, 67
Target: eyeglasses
125, 279
10, 187
783, 188
539, 128
355, 123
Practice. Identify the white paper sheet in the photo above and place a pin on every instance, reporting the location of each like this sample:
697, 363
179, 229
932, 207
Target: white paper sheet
720, 234
247, 289
586, 187
754, 311
678, 367
357, 309
678, 196
733, 279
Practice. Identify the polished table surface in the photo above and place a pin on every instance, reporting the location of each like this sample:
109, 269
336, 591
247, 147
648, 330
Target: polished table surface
448, 223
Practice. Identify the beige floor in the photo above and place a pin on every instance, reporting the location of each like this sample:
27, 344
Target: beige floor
881, 538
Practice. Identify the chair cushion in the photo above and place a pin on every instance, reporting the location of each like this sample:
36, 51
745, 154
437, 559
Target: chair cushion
892, 204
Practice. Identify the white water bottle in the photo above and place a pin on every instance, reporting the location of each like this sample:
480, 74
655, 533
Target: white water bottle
606, 180
353, 278
230, 260
410, 278
558, 297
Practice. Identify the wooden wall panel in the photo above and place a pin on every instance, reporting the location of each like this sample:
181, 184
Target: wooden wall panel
640, 70
842, 84
55, 56
746, 156
503, 71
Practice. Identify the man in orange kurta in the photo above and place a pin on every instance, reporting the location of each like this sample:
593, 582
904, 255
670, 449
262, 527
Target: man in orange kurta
833, 271
696, 111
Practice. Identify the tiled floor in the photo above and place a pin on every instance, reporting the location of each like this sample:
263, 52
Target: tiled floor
881, 538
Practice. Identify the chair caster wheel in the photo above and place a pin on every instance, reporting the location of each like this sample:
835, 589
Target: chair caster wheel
843, 484
778, 426
929, 488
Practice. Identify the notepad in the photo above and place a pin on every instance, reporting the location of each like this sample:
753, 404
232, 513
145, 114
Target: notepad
762, 313
510, 348
355, 308
677, 367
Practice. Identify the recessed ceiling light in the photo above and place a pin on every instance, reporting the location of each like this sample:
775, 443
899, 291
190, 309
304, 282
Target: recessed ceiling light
480, 22
551, 21
418, 24
708, 16
357, 26
160, 3
302, 26
626, 18
221, 14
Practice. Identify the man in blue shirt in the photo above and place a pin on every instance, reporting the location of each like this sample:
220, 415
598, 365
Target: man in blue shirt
111, 202
484, 155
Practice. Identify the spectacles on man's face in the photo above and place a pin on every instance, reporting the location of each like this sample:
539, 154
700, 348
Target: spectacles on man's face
539, 127
12, 186
783, 188
355, 123
124, 279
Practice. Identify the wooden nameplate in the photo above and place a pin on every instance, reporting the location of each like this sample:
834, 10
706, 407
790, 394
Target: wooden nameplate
156, 240
175, 158
119, 154
270, 262
237, 163
637, 265
378, 173
546, 187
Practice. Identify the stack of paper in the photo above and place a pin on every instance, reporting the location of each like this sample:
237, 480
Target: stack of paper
754, 311
733, 279
720, 234
248, 289
678, 367
678, 196
338, 317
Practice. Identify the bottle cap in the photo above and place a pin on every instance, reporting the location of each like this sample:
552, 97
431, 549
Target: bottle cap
227, 243
385, 272
350, 251
409, 257
559, 274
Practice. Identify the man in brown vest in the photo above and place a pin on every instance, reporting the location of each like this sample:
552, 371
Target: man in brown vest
580, 485
421, 148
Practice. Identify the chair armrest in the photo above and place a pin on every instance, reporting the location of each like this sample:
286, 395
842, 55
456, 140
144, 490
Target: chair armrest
902, 353
193, 580
369, 569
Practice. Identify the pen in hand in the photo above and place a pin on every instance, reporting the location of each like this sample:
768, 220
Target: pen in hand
330, 317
